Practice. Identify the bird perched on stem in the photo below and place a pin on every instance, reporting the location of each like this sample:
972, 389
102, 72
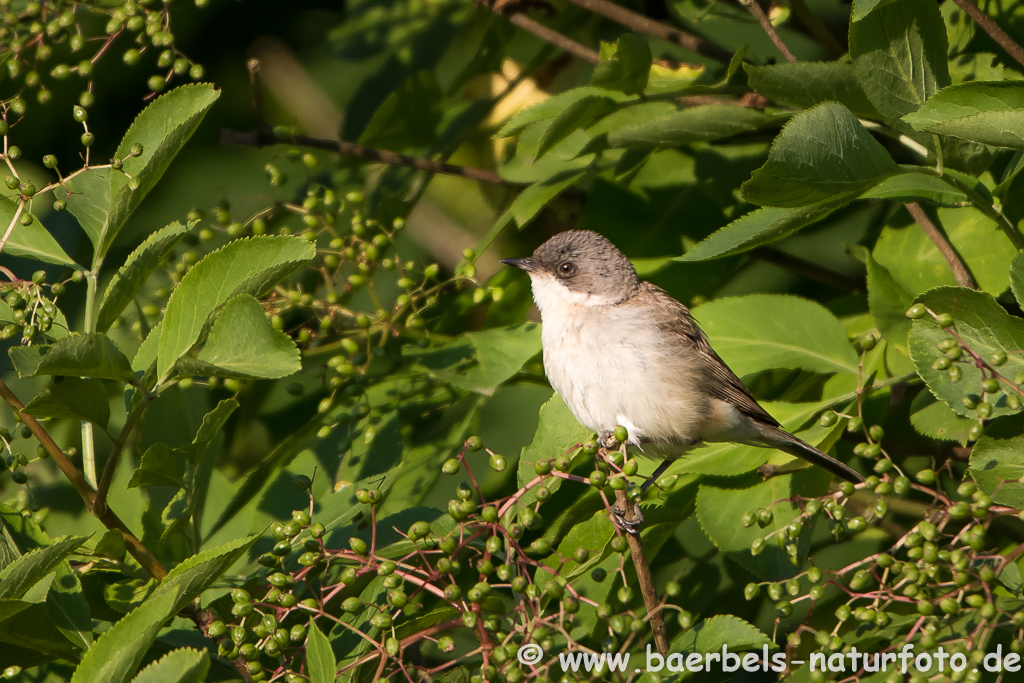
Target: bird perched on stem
620, 351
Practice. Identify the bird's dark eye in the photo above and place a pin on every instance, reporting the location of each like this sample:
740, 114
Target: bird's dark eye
566, 269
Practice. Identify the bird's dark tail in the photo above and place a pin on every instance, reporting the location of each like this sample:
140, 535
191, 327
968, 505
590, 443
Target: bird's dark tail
790, 444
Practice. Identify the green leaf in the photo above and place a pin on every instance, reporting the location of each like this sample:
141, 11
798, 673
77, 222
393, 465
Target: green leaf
319, 656
409, 117
31, 628
765, 331
246, 266
982, 325
579, 114
551, 108
162, 129
761, 226
721, 505
991, 113
30, 241
821, 153
805, 84
934, 419
624, 66
711, 635
80, 355
88, 198
899, 54
500, 353
888, 302
29, 569
912, 187
68, 607
702, 123
183, 665
997, 465
531, 200
1017, 278
557, 431
243, 343
116, 654
79, 399
213, 423
161, 466
130, 277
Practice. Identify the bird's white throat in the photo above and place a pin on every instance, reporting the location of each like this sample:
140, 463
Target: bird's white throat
555, 299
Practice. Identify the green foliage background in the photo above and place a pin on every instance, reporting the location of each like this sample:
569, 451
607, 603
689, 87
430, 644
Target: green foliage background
300, 428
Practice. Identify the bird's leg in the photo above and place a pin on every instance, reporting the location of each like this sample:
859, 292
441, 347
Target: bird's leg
607, 440
654, 476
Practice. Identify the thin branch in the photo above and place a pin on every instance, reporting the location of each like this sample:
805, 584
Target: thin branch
808, 269
100, 503
552, 36
766, 24
264, 136
960, 272
642, 24
10, 227
992, 29
816, 28
643, 575
108, 518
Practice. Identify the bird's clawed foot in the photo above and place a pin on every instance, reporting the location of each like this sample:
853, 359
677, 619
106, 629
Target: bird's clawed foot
607, 440
628, 520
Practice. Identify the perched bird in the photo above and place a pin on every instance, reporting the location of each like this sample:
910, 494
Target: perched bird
621, 351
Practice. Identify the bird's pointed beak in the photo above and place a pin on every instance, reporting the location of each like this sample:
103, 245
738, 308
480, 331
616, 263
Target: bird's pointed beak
523, 263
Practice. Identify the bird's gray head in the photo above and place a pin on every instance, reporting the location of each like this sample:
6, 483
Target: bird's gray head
578, 267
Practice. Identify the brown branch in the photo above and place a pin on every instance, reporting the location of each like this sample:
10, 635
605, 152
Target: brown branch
642, 24
552, 36
992, 29
108, 518
766, 24
960, 272
808, 269
264, 136
643, 574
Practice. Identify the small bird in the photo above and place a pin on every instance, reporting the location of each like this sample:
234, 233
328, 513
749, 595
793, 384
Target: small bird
621, 351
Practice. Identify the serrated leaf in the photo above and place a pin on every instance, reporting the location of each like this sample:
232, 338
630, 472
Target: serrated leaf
162, 129
997, 466
721, 505
499, 354
888, 302
88, 198
1017, 278
319, 656
68, 607
130, 277
820, 154
805, 84
991, 113
702, 123
766, 331
183, 665
30, 241
899, 54
761, 226
19, 576
624, 65
124, 595
116, 654
31, 628
80, 355
242, 342
982, 325
213, 423
246, 266
711, 635
934, 419
79, 399
557, 431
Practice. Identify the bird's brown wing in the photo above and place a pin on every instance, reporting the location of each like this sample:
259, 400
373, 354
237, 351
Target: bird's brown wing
723, 383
